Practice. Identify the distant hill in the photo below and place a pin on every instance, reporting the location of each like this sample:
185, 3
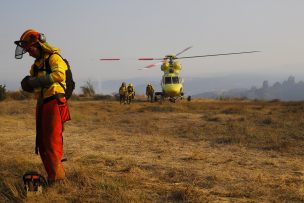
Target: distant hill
288, 90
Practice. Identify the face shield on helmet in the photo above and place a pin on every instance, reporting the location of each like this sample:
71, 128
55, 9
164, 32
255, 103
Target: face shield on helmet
27, 39
22, 48
19, 52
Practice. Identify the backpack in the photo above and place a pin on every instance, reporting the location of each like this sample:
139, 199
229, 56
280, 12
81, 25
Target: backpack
70, 84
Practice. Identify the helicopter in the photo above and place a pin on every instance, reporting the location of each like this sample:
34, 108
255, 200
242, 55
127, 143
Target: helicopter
172, 83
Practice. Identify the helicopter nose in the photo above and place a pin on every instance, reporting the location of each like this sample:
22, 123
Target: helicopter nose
173, 91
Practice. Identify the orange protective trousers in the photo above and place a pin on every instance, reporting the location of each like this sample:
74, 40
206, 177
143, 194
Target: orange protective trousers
50, 118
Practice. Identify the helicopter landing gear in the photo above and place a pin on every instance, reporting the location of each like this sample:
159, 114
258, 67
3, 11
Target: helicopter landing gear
172, 99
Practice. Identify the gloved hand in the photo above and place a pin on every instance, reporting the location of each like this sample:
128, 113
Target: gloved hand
31, 82
36, 82
25, 85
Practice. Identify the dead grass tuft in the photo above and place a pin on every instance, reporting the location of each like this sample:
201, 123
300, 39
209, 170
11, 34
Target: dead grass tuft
159, 108
232, 110
185, 194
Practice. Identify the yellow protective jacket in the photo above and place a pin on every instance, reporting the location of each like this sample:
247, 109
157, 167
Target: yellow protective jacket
130, 89
58, 68
123, 90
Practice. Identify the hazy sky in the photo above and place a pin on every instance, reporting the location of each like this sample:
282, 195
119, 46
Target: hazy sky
89, 30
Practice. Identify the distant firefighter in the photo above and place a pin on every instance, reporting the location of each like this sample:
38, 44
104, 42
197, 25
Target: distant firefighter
123, 93
150, 92
131, 93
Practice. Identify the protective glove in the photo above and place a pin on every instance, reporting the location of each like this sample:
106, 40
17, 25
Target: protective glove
25, 85
36, 82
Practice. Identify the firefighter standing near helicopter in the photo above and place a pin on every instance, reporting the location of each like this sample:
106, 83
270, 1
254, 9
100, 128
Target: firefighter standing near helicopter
131, 92
150, 92
51, 108
123, 93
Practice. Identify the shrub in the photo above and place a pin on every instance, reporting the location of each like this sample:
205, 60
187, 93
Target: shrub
2, 92
88, 89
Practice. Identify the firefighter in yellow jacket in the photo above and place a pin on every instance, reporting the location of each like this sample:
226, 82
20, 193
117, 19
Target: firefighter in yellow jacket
123, 93
47, 82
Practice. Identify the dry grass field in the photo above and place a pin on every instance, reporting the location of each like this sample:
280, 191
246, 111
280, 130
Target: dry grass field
199, 151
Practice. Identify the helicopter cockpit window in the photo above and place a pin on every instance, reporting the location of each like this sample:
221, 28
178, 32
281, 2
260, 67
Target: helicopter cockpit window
168, 80
175, 80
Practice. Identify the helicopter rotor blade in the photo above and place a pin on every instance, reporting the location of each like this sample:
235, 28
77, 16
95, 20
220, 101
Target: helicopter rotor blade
109, 59
151, 65
149, 59
179, 53
244, 52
